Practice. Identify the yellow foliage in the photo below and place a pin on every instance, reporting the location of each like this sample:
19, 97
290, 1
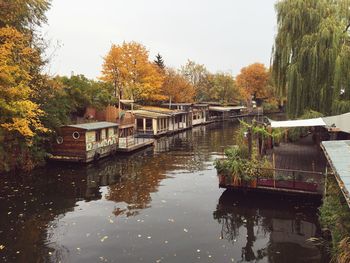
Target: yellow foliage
128, 68
177, 88
253, 81
17, 112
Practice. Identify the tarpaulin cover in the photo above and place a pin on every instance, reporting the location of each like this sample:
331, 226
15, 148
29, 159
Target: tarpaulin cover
298, 123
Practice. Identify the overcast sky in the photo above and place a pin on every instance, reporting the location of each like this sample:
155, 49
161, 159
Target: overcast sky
224, 35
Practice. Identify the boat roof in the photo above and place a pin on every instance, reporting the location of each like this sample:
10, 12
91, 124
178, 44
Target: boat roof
93, 125
169, 112
221, 108
178, 104
338, 155
150, 114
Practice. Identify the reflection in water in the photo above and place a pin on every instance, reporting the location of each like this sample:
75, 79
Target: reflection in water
153, 205
286, 223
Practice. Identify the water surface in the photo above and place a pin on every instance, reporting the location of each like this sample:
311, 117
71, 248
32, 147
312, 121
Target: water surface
161, 204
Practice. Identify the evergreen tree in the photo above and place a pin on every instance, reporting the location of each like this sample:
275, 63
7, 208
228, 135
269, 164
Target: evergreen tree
159, 62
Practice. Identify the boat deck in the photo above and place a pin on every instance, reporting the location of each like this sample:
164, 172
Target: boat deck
299, 169
139, 144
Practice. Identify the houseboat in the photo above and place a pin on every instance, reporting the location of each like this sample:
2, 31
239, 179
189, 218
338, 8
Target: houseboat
85, 142
156, 121
200, 114
127, 140
151, 124
220, 113
185, 109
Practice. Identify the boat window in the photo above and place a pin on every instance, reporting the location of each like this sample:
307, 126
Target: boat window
76, 135
148, 124
98, 135
140, 124
59, 140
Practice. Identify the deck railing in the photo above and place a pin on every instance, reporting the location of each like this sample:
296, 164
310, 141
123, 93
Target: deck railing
280, 180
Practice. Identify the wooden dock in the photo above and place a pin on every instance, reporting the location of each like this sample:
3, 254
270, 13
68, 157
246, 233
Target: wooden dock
139, 144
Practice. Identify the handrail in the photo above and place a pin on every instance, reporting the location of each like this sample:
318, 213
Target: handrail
290, 170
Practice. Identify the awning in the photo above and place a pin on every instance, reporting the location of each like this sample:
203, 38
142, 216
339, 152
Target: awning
340, 122
298, 123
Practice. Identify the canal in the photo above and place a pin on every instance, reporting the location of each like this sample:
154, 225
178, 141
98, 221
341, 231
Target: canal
161, 204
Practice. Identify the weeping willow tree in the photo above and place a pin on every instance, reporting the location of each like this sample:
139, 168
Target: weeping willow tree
311, 55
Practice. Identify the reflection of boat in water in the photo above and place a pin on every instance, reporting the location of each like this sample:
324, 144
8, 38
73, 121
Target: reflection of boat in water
274, 226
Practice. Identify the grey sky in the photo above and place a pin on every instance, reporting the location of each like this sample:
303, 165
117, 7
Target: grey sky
224, 35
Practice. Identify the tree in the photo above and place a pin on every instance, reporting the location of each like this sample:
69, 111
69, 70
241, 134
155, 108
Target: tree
198, 76
19, 115
177, 88
23, 15
128, 68
159, 62
20, 65
224, 88
253, 81
311, 54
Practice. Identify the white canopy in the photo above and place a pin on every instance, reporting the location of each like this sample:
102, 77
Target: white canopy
298, 123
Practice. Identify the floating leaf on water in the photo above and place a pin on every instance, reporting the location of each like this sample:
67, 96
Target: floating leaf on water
104, 238
2, 247
111, 221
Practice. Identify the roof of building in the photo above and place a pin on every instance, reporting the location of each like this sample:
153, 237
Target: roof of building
338, 155
150, 114
93, 125
220, 108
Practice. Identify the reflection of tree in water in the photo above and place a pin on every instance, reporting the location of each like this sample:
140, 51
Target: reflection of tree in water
285, 224
141, 176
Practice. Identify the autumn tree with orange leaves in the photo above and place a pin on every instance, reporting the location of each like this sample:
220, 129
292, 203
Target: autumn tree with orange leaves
133, 76
177, 88
253, 81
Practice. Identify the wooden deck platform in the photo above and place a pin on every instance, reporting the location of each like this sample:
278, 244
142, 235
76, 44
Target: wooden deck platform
139, 144
302, 155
